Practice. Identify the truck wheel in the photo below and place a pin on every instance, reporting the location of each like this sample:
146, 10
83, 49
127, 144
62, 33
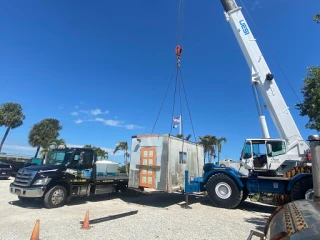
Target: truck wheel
223, 191
55, 197
300, 188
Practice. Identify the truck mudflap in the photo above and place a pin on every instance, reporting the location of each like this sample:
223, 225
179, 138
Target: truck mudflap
31, 192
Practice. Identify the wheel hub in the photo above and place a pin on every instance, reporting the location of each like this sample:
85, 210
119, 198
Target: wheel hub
223, 190
57, 197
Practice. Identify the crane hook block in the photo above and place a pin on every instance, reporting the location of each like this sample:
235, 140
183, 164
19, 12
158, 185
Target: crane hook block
178, 51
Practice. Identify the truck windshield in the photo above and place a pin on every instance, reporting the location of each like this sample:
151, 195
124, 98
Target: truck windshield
58, 157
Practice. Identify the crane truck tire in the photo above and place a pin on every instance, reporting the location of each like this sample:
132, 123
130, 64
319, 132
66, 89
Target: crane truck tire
223, 192
55, 197
300, 188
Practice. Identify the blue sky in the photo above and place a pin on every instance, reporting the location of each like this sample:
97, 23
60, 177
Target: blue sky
102, 67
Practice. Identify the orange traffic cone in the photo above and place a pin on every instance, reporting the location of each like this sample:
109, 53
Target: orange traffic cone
86, 222
35, 233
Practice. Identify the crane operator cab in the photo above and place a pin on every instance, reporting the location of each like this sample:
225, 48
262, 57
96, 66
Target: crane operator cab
263, 154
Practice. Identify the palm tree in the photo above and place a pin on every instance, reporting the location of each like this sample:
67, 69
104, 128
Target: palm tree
11, 116
88, 146
219, 145
181, 136
43, 133
58, 142
208, 142
124, 147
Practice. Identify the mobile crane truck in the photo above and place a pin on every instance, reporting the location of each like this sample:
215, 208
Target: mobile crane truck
65, 173
281, 167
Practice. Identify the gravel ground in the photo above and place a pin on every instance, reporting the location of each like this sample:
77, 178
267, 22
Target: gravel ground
157, 216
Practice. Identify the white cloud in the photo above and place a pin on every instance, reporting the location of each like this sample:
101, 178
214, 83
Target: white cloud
109, 122
132, 126
96, 111
74, 113
76, 106
78, 121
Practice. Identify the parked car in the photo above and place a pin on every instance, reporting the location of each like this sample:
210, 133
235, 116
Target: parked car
5, 170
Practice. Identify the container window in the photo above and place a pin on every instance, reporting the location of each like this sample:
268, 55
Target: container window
145, 161
144, 179
145, 153
149, 180
150, 153
150, 172
150, 162
144, 171
183, 157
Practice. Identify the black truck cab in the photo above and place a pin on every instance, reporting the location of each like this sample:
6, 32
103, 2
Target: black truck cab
65, 173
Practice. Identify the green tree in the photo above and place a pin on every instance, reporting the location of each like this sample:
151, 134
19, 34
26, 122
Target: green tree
181, 136
43, 133
124, 147
311, 104
219, 145
11, 117
209, 143
101, 154
55, 143
316, 18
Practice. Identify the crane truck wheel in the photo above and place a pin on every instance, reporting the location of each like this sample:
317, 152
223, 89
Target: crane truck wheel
300, 188
55, 197
223, 192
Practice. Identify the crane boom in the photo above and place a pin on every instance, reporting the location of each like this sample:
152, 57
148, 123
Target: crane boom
262, 78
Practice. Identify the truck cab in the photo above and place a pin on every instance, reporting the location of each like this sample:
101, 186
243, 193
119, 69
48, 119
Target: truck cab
267, 154
65, 173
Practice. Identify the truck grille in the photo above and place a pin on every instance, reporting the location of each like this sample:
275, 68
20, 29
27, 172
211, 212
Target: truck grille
24, 177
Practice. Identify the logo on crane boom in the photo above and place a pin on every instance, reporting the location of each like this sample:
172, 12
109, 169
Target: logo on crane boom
244, 27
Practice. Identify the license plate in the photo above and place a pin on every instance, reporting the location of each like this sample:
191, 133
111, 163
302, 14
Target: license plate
18, 191
3, 173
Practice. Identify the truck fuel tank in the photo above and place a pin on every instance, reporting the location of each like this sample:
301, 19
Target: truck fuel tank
295, 220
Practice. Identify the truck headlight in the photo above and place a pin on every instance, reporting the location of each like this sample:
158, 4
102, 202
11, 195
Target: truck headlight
42, 181
191, 178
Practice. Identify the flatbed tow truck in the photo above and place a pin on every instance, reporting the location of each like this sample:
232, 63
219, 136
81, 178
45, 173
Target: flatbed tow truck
65, 173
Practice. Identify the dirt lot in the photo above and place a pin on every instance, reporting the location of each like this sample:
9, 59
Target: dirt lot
161, 216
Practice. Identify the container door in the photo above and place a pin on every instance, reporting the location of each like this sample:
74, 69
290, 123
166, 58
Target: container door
147, 158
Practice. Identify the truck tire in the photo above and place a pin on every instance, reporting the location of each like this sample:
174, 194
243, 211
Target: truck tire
55, 197
245, 195
223, 192
300, 188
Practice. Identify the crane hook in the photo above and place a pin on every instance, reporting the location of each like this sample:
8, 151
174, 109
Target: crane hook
178, 51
